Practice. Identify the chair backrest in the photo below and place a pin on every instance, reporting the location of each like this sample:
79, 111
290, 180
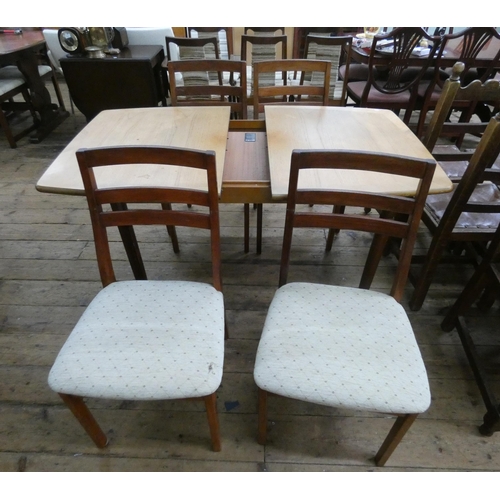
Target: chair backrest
466, 46
264, 31
383, 228
128, 204
452, 92
191, 48
314, 92
149, 36
210, 95
263, 48
337, 50
404, 42
224, 37
194, 48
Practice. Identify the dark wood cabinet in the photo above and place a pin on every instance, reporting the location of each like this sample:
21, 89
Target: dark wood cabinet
131, 79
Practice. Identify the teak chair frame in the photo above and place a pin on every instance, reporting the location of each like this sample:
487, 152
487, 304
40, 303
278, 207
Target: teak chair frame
311, 94
234, 96
384, 227
123, 216
344, 57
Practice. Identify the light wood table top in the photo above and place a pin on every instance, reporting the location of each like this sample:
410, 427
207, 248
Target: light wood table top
360, 129
202, 128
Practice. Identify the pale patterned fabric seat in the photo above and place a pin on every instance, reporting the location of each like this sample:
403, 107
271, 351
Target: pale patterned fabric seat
143, 340
140, 339
341, 347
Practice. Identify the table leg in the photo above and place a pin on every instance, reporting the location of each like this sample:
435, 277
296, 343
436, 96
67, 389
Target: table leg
50, 116
129, 240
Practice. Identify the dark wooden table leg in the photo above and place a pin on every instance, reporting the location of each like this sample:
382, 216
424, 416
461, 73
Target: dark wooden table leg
129, 240
50, 115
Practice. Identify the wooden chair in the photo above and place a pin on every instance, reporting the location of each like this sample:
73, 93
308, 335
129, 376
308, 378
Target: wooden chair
209, 95
314, 92
306, 93
11, 87
453, 160
338, 346
146, 340
469, 215
486, 282
337, 50
205, 32
181, 49
257, 48
388, 89
468, 45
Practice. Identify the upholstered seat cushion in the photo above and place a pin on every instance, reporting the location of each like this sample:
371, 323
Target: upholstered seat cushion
356, 89
145, 340
486, 192
9, 84
341, 347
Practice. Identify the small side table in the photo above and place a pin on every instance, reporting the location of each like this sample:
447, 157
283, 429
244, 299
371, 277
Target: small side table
130, 79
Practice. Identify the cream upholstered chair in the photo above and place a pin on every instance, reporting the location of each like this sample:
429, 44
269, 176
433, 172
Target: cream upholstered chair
346, 347
146, 340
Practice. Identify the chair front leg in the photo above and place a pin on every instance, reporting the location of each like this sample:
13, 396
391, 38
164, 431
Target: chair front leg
86, 419
213, 420
262, 411
398, 430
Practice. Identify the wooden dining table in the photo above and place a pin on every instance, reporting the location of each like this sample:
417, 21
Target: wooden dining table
253, 160
21, 50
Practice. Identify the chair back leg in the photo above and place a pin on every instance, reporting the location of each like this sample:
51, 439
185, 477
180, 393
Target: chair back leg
213, 420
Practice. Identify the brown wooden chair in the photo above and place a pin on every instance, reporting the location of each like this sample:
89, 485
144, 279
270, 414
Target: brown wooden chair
206, 94
337, 50
11, 87
313, 92
485, 286
468, 216
385, 86
466, 46
180, 48
442, 125
347, 347
142, 339
256, 48
205, 32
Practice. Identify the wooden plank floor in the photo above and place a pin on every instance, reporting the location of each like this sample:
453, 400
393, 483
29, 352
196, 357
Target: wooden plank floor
49, 274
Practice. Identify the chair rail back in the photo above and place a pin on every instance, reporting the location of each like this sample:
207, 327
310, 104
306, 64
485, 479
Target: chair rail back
234, 96
385, 227
314, 92
120, 198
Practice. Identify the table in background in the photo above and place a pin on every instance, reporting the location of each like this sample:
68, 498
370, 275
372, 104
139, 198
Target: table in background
22, 50
130, 79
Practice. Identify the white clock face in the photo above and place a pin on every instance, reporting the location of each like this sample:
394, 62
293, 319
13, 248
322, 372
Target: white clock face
69, 41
